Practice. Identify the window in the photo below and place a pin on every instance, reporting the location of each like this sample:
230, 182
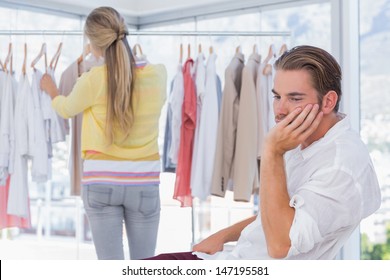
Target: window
375, 118
53, 211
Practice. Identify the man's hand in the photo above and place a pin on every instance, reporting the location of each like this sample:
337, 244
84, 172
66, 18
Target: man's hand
295, 128
212, 244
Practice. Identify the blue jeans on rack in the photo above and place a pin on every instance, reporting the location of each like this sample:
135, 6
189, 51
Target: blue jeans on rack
108, 206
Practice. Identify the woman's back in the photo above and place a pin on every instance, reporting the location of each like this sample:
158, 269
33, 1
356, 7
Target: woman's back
148, 98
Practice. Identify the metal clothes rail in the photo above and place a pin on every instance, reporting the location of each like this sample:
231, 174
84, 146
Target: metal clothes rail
150, 33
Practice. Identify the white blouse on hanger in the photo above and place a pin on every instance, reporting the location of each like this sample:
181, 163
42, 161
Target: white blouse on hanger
176, 101
18, 198
40, 170
203, 159
7, 131
200, 78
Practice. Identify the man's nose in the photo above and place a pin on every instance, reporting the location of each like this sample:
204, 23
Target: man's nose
280, 107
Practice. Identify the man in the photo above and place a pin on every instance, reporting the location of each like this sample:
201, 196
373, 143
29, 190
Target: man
317, 181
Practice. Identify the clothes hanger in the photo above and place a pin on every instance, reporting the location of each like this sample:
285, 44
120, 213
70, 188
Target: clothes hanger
135, 49
41, 53
24, 59
181, 53
8, 59
86, 51
211, 48
283, 49
189, 51
140, 58
271, 54
255, 49
238, 48
54, 60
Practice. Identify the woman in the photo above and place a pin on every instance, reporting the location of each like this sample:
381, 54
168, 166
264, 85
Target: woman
121, 106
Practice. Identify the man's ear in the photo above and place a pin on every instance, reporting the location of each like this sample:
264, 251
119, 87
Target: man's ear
329, 101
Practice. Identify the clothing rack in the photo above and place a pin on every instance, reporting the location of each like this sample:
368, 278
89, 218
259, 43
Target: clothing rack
151, 33
155, 33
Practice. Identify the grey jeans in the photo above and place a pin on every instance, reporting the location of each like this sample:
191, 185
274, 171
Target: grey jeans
107, 207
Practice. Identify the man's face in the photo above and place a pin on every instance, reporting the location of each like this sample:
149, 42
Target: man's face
292, 89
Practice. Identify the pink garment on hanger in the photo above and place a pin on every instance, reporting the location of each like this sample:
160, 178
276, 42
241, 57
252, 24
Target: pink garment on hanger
182, 190
7, 221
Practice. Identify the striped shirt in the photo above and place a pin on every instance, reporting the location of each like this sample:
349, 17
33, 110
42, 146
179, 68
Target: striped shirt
125, 173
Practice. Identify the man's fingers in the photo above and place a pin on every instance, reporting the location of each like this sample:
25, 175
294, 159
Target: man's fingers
314, 125
306, 120
299, 119
290, 117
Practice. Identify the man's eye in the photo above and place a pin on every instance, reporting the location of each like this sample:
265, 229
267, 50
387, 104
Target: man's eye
276, 97
295, 99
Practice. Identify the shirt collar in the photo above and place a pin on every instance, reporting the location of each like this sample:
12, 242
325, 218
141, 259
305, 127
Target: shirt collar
239, 56
256, 57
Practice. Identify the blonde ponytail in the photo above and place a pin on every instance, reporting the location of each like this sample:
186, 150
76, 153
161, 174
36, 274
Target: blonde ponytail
106, 30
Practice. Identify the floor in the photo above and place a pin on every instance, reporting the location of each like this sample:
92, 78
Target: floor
178, 228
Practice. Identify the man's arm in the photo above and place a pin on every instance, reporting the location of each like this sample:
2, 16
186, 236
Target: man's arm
215, 242
276, 214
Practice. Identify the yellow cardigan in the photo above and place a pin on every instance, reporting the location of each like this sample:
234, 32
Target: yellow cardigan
89, 95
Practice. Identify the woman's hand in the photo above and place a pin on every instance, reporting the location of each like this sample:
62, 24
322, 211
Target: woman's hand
47, 84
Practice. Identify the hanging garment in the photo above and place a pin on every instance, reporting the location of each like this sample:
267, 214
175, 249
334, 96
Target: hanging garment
264, 104
7, 130
203, 159
67, 81
57, 124
23, 117
167, 165
6, 220
18, 197
46, 110
219, 93
182, 191
40, 169
176, 101
3, 167
199, 71
246, 172
227, 126
75, 166
45, 101
1, 86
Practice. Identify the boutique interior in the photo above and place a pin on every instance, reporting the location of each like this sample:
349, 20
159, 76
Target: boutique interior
49, 33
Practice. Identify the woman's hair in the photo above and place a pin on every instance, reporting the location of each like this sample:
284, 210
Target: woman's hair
324, 70
106, 30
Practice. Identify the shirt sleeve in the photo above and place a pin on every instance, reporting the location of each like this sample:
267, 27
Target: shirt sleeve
304, 232
80, 98
327, 203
